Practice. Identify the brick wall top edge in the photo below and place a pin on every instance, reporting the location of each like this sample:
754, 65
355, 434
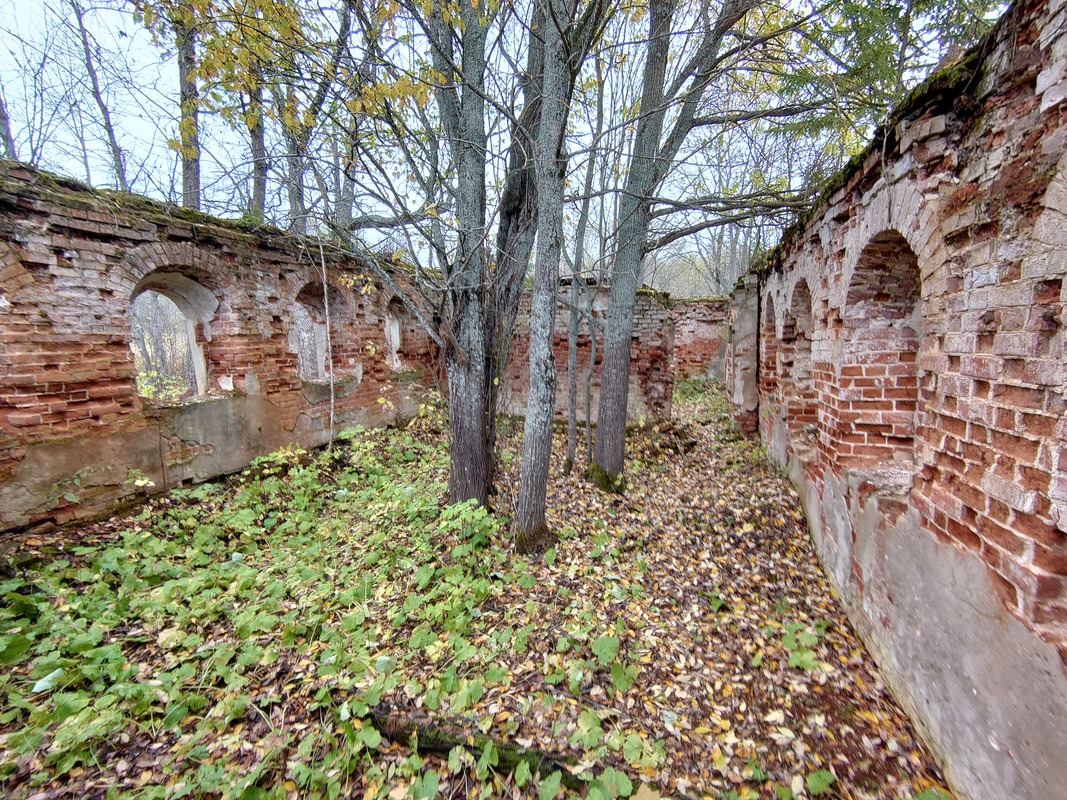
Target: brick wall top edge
70, 204
938, 92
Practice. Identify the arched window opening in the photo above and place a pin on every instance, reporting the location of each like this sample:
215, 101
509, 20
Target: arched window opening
394, 314
796, 363
768, 362
880, 365
165, 311
308, 336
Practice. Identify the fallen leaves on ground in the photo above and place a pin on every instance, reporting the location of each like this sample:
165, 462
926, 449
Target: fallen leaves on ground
232, 640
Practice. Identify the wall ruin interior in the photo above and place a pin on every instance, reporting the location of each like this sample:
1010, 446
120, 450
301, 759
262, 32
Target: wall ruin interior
651, 377
902, 355
699, 337
83, 274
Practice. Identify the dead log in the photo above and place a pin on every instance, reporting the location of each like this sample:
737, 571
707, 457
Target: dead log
418, 730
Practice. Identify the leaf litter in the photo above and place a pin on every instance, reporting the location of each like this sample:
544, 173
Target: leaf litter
245, 639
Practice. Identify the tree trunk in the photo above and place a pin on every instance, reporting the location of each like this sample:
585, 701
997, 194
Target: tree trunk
573, 323
515, 232
189, 126
532, 533
589, 378
294, 184
609, 454
346, 192
94, 82
5, 130
465, 366
577, 274
257, 135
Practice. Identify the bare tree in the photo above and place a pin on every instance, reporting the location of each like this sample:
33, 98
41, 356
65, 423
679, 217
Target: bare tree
189, 93
566, 41
5, 130
117, 160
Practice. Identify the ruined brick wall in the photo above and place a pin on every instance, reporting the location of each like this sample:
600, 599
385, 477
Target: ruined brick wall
73, 429
742, 343
75, 434
651, 376
699, 332
912, 380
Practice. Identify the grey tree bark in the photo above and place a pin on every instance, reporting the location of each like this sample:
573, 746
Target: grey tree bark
608, 456
189, 125
5, 130
463, 116
648, 167
532, 533
258, 145
515, 231
294, 184
577, 283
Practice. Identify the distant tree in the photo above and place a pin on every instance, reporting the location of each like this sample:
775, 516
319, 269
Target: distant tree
10, 150
117, 159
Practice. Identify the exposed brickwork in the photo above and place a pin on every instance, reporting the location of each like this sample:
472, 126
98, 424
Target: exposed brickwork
71, 420
916, 319
651, 377
699, 337
73, 259
934, 315
742, 354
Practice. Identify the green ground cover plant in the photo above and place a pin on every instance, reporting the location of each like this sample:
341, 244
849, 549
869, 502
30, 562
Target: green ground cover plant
323, 625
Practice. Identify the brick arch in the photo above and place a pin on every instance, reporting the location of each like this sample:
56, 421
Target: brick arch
396, 319
316, 345
795, 357
768, 377
296, 284
191, 279
879, 367
901, 208
311, 294
183, 258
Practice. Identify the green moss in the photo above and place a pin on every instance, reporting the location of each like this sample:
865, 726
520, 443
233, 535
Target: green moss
535, 541
604, 480
661, 297
138, 209
681, 301
407, 375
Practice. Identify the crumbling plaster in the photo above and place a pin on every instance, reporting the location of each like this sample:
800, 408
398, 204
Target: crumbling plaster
935, 479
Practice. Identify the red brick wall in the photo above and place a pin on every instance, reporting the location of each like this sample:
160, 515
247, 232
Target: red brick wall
699, 336
73, 429
937, 334
71, 421
651, 376
934, 280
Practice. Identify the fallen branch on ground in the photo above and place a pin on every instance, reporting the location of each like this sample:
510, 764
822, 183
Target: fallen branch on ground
409, 727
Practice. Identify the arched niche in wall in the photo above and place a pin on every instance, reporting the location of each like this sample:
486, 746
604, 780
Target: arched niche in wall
768, 358
879, 370
168, 349
395, 319
309, 337
795, 360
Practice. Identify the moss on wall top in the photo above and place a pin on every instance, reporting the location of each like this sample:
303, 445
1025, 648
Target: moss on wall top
19, 182
940, 91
